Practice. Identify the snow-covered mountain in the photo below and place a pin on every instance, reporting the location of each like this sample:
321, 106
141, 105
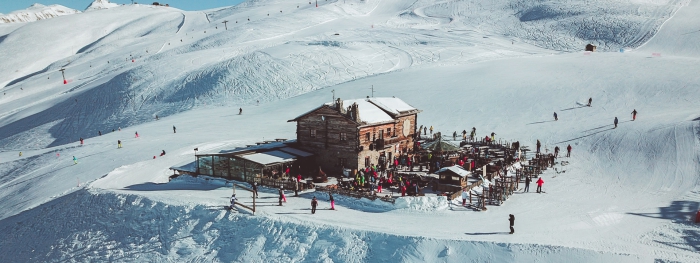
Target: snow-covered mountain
37, 12
626, 195
100, 4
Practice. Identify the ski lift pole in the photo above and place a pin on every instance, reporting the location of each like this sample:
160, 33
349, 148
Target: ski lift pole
63, 74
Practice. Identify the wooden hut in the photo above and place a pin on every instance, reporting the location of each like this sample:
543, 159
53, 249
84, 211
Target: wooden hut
590, 47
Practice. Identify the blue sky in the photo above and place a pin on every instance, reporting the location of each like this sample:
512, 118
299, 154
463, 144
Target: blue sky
7, 6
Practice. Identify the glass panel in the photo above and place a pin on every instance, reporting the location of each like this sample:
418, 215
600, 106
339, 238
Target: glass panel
221, 166
237, 168
204, 163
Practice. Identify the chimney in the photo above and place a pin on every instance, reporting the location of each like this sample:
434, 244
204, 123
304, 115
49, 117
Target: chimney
339, 106
355, 112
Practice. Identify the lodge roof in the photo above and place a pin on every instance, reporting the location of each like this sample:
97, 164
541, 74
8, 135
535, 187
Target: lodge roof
372, 110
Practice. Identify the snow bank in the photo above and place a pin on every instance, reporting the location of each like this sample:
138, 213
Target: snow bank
423, 203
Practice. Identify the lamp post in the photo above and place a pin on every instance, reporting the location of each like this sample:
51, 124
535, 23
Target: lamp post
196, 160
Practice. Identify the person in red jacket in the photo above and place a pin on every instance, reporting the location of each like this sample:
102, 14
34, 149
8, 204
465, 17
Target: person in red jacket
403, 190
540, 182
568, 151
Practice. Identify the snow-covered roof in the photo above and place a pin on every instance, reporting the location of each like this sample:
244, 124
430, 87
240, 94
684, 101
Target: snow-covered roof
186, 166
270, 157
369, 113
455, 169
296, 152
394, 106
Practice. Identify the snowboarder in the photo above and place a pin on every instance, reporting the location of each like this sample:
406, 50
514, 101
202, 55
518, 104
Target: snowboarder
81, 140
556, 152
240, 111
634, 114
137, 134
590, 100
511, 218
233, 202
555, 116
162, 153
119, 144
174, 131
314, 203
493, 136
568, 151
527, 184
330, 197
255, 190
75, 160
615, 121
539, 144
540, 182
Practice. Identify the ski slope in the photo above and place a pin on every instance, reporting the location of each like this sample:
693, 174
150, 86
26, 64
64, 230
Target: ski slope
628, 195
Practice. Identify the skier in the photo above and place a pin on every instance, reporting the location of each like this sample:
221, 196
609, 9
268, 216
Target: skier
540, 182
634, 114
538, 146
233, 202
99, 133
281, 192
568, 151
555, 116
174, 131
425, 130
119, 144
162, 153
465, 195
20, 154
240, 111
511, 218
454, 136
615, 123
75, 160
556, 152
81, 140
527, 184
156, 117
330, 196
493, 136
255, 190
314, 203
589, 101
431, 129
137, 134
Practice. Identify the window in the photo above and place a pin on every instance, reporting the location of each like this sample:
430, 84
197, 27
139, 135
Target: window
343, 136
342, 162
367, 135
367, 161
313, 133
388, 131
381, 134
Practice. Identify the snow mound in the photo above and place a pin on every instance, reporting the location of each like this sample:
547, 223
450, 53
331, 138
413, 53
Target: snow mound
423, 203
37, 12
100, 4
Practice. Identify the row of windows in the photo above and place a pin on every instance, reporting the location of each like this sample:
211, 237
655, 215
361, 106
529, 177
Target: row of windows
343, 135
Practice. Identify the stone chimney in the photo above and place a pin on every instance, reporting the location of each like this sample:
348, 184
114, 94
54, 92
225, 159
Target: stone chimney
339, 106
354, 112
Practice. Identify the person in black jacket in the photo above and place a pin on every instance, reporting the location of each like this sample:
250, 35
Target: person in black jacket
511, 218
314, 203
527, 184
255, 190
330, 196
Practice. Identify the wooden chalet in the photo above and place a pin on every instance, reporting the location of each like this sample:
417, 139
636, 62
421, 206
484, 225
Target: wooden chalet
357, 133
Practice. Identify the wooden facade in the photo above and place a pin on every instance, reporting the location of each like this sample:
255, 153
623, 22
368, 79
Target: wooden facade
340, 137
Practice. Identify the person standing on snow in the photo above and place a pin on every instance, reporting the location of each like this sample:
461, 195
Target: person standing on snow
233, 202
281, 192
425, 130
556, 151
454, 136
464, 135
431, 129
473, 134
634, 114
75, 160
330, 197
174, 131
465, 195
540, 182
81, 140
20, 154
568, 151
314, 203
119, 144
137, 134
255, 190
99, 133
539, 144
589, 101
527, 184
240, 111
555, 116
615, 121
493, 136
511, 218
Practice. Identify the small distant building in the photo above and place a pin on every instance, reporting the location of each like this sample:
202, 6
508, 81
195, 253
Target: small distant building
357, 133
590, 47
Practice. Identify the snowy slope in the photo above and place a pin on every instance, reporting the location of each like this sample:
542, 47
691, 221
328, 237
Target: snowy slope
628, 195
36, 12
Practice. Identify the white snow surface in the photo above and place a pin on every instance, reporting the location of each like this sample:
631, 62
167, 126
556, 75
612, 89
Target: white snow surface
100, 4
628, 194
36, 12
